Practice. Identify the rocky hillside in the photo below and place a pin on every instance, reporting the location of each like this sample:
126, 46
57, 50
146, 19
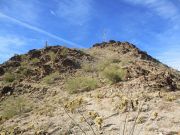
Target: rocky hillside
110, 88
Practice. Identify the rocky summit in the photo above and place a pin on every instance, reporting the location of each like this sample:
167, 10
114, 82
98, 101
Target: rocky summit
111, 88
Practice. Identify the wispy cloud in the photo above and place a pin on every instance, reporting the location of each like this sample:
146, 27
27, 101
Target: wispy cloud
52, 12
75, 11
163, 8
28, 11
34, 28
6, 42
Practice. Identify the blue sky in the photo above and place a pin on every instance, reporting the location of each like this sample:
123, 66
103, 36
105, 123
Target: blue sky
152, 25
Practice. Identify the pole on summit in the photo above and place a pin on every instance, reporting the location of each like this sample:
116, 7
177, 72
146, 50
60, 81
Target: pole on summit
46, 44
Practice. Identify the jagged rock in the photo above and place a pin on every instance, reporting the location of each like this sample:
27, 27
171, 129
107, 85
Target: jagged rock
46, 69
53, 48
34, 53
45, 58
7, 90
112, 41
135, 71
70, 63
16, 58
125, 50
170, 83
2, 71
12, 64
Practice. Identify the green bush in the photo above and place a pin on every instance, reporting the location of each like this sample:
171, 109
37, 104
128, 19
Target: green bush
103, 64
35, 60
107, 62
79, 84
26, 72
14, 106
50, 79
9, 77
114, 74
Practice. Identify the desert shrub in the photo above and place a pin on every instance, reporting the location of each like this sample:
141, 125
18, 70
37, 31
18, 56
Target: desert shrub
114, 74
115, 60
64, 52
14, 106
170, 98
75, 85
35, 60
89, 67
50, 79
23, 56
26, 71
24, 64
82, 51
52, 56
103, 64
9, 77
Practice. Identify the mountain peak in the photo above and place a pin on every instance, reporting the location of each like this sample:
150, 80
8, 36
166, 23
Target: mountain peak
118, 74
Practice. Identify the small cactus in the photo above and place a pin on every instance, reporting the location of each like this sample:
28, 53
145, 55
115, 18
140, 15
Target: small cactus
74, 104
98, 122
93, 115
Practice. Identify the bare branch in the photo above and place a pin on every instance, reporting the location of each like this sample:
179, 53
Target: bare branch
91, 128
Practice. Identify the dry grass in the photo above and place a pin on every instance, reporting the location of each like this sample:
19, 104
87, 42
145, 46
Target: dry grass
50, 79
9, 77
64, 52
52, 55
15, 106
80, 84
89, 67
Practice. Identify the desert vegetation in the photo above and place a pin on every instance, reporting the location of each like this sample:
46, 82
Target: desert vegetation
114, 73
9, 77
14, 106
80, 84
50, 79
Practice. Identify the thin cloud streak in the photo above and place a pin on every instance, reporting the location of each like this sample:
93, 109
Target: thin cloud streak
34, 28
164, 8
